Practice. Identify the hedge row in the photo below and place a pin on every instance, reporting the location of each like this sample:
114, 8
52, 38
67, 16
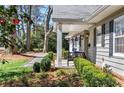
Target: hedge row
93, 76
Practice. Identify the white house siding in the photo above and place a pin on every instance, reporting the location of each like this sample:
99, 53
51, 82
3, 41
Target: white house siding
103, 55
91, 49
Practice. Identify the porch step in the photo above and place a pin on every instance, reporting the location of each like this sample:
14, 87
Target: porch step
65, 65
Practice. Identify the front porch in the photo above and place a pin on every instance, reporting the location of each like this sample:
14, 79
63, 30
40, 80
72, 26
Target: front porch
65, 64
76, 24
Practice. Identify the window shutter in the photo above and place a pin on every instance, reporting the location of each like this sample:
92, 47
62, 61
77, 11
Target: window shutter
111, 38
94, 38
103, 35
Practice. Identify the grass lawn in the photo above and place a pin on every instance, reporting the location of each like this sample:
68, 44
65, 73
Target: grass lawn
13, 69
12, 65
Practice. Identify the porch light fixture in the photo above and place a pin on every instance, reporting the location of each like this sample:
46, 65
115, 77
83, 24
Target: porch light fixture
87, 35
82, 37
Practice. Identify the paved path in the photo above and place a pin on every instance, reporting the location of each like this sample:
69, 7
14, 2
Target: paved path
37, 58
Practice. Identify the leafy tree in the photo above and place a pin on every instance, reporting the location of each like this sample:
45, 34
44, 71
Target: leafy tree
8, 22
52, 39
10, 19
37, 38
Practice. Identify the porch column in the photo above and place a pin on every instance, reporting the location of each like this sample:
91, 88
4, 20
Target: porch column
59, 46
70, 45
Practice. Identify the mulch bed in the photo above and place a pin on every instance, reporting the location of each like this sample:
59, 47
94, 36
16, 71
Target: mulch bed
45, 79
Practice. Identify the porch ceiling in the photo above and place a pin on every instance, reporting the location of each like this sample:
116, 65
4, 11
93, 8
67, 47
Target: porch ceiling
74, 17
77, 18
70, 35
74, 13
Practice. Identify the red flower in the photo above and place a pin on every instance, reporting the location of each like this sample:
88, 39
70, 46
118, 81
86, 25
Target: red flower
2, 21
15, 21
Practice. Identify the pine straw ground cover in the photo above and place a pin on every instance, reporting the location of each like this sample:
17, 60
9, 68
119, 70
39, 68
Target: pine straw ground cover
57, 78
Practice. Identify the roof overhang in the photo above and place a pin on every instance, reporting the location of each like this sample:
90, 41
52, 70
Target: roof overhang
75, 13
105, 13
77, 25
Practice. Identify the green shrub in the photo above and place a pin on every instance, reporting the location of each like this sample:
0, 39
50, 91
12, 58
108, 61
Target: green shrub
36, 67
64, 53
93, 76
78, 64
44, 75
45, 63
62, 83
51, 55
60, 72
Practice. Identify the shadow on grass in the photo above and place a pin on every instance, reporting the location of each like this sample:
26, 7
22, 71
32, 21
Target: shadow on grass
30, 56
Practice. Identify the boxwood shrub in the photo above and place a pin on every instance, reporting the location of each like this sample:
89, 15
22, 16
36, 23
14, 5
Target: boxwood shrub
51, 55
45, 63
36, 67
93, 76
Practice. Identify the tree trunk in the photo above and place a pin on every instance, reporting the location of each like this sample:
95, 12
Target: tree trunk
22, 24
47, 28
28, 42
45, 37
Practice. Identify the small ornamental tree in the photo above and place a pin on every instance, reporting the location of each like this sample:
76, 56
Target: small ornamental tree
9, 21
8, 27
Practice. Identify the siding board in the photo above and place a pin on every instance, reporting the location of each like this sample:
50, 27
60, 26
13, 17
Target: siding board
106, 52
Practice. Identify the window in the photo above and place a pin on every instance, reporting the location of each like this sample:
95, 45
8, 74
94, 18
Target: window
98, 36
118, 36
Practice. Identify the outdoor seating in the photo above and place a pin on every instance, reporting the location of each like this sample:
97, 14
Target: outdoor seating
72, 55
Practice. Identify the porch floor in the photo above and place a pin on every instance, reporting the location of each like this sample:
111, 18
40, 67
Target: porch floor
65, 64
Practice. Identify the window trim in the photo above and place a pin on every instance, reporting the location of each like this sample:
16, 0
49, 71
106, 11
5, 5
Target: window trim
114, 37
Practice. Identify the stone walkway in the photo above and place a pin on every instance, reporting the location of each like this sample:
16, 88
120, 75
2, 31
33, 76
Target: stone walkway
37, 58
